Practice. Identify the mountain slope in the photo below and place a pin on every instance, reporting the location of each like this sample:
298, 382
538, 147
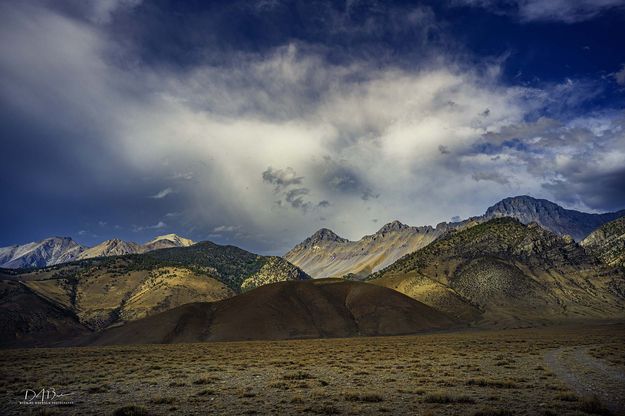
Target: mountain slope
511, 273
275, 270
286, 310
50, 251
104, 293
550, 216
114, 247
28, 320
608, 243
229, 264
325, 254
167, 241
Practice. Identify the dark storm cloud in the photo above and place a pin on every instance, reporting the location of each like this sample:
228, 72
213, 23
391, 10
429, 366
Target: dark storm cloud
368, 194
342, 178
295, 197
490, 176
281, 178
285, 183
579, 162
215, 31
597, 190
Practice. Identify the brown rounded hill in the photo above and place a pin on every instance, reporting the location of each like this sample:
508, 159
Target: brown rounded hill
325, 308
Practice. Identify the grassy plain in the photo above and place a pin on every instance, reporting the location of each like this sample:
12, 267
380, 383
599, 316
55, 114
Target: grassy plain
506, 372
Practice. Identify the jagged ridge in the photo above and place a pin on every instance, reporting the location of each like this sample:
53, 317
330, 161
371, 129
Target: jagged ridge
608, 243
326, 255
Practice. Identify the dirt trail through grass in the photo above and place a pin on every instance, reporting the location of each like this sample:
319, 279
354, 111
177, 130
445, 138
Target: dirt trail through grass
589, 376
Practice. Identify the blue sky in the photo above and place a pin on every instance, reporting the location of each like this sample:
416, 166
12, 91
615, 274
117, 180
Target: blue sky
257, 122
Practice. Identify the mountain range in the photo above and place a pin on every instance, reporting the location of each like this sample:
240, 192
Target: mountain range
57, 250
97, 293
325, 254
46, 252
495, 270
505, 273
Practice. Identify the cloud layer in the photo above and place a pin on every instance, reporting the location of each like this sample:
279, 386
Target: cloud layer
568, 11
265, 148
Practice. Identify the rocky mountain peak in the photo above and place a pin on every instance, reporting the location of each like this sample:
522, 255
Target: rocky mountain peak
549, 215
522, 205
325, 234
392, 226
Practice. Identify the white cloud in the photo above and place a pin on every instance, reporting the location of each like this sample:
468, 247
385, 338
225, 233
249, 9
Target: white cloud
159, 225
162, 194
226, 228
569, 11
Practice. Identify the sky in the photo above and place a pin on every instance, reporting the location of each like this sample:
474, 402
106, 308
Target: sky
255, 123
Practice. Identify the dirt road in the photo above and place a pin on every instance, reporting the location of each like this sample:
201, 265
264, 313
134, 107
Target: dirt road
589, 376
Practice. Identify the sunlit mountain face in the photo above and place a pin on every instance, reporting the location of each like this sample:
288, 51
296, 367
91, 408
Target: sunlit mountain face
255, 123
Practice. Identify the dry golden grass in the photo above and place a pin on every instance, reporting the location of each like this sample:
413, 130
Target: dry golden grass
612, 352
471, 373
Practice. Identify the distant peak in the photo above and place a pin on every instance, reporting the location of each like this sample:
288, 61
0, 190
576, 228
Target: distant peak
392, 226
114, 242
525, 199
326, 234
173, 238
522, 202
